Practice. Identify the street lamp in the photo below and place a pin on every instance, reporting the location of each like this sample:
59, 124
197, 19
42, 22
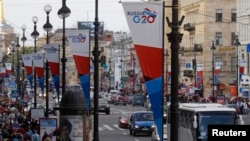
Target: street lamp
121, 71
237, 43
47, 27
96, 53
18, 64
213, 48
63, 13
175, 38
133, 72
35, 35
12, 56
110, 72
194, 64
23, 39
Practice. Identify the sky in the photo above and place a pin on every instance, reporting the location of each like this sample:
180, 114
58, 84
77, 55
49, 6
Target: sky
20, 12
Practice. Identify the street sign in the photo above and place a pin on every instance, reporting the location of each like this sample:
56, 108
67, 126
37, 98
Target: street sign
188, 65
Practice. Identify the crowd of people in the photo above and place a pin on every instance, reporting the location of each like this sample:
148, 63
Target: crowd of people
16, 125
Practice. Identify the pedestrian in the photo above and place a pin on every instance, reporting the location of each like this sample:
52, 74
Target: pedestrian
45, 135
35, 136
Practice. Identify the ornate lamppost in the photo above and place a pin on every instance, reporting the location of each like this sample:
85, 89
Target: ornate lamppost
47, 27
63, 13
35, 35
23, 39
12, 56
213, 81
96, 53
237, 43
18, 65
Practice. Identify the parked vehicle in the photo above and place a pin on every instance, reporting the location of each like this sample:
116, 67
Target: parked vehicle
129, 99
155, 134
138, 100
104, 106
119, 99
123, 119
141, 122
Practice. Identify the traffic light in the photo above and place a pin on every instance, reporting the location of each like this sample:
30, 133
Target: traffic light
103, 61
194, 64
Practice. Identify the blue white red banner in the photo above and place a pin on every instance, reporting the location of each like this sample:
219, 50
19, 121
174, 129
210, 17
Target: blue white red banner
145, 21
39, 68
79, 43
52, 54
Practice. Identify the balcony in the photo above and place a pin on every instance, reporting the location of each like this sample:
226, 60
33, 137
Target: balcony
189, 27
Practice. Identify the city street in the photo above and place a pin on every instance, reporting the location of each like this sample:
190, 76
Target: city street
108, 125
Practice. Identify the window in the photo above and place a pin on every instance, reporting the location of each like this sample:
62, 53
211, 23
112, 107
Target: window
218, 38
233, 15
233, 64
233, 42
219, 64
218, 15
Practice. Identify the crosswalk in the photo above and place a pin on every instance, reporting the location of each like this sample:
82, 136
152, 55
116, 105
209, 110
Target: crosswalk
110, 127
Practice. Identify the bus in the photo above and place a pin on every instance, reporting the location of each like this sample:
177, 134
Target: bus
194, 119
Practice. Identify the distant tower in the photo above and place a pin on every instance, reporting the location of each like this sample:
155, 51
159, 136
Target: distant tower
6, 32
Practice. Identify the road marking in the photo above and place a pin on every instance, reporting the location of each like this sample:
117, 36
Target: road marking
115, 125
100, 128
108, 127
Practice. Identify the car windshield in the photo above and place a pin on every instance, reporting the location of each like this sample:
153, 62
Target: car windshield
102, 102
125, 115
213, 118
138, 96
144, 117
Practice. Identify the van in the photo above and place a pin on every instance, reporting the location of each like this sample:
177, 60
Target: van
141, 122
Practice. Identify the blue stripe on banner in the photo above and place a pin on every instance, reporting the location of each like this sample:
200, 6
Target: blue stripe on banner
154, 89
57, 85
84, 79
41, 84
30, 77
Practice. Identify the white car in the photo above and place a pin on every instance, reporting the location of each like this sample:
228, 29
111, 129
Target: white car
155, 135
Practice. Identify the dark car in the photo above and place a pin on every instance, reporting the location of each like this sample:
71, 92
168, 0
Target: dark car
138, 100
129, 99
141, 122
123, 119
52, 111
119, 99
113, 98
104, 106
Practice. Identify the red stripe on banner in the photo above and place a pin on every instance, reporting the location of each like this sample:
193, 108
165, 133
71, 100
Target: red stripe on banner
8, 71
150, 59
28, 70
2, 74
200, 74
241, 70
39, 72
217, 72
82, 64
54, 68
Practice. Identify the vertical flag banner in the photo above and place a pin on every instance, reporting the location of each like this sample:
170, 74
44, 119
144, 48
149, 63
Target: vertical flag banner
2, 71
39, 68
52, 56
79, 46
145, 21
27, 62
199, 74
8, 68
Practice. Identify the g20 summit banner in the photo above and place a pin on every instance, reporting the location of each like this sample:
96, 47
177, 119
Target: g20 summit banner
79, 43
53, 57
145, 21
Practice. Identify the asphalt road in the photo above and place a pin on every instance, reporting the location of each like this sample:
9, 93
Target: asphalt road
108, 125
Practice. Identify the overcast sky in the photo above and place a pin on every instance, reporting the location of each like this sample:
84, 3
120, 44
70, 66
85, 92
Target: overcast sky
20, 12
